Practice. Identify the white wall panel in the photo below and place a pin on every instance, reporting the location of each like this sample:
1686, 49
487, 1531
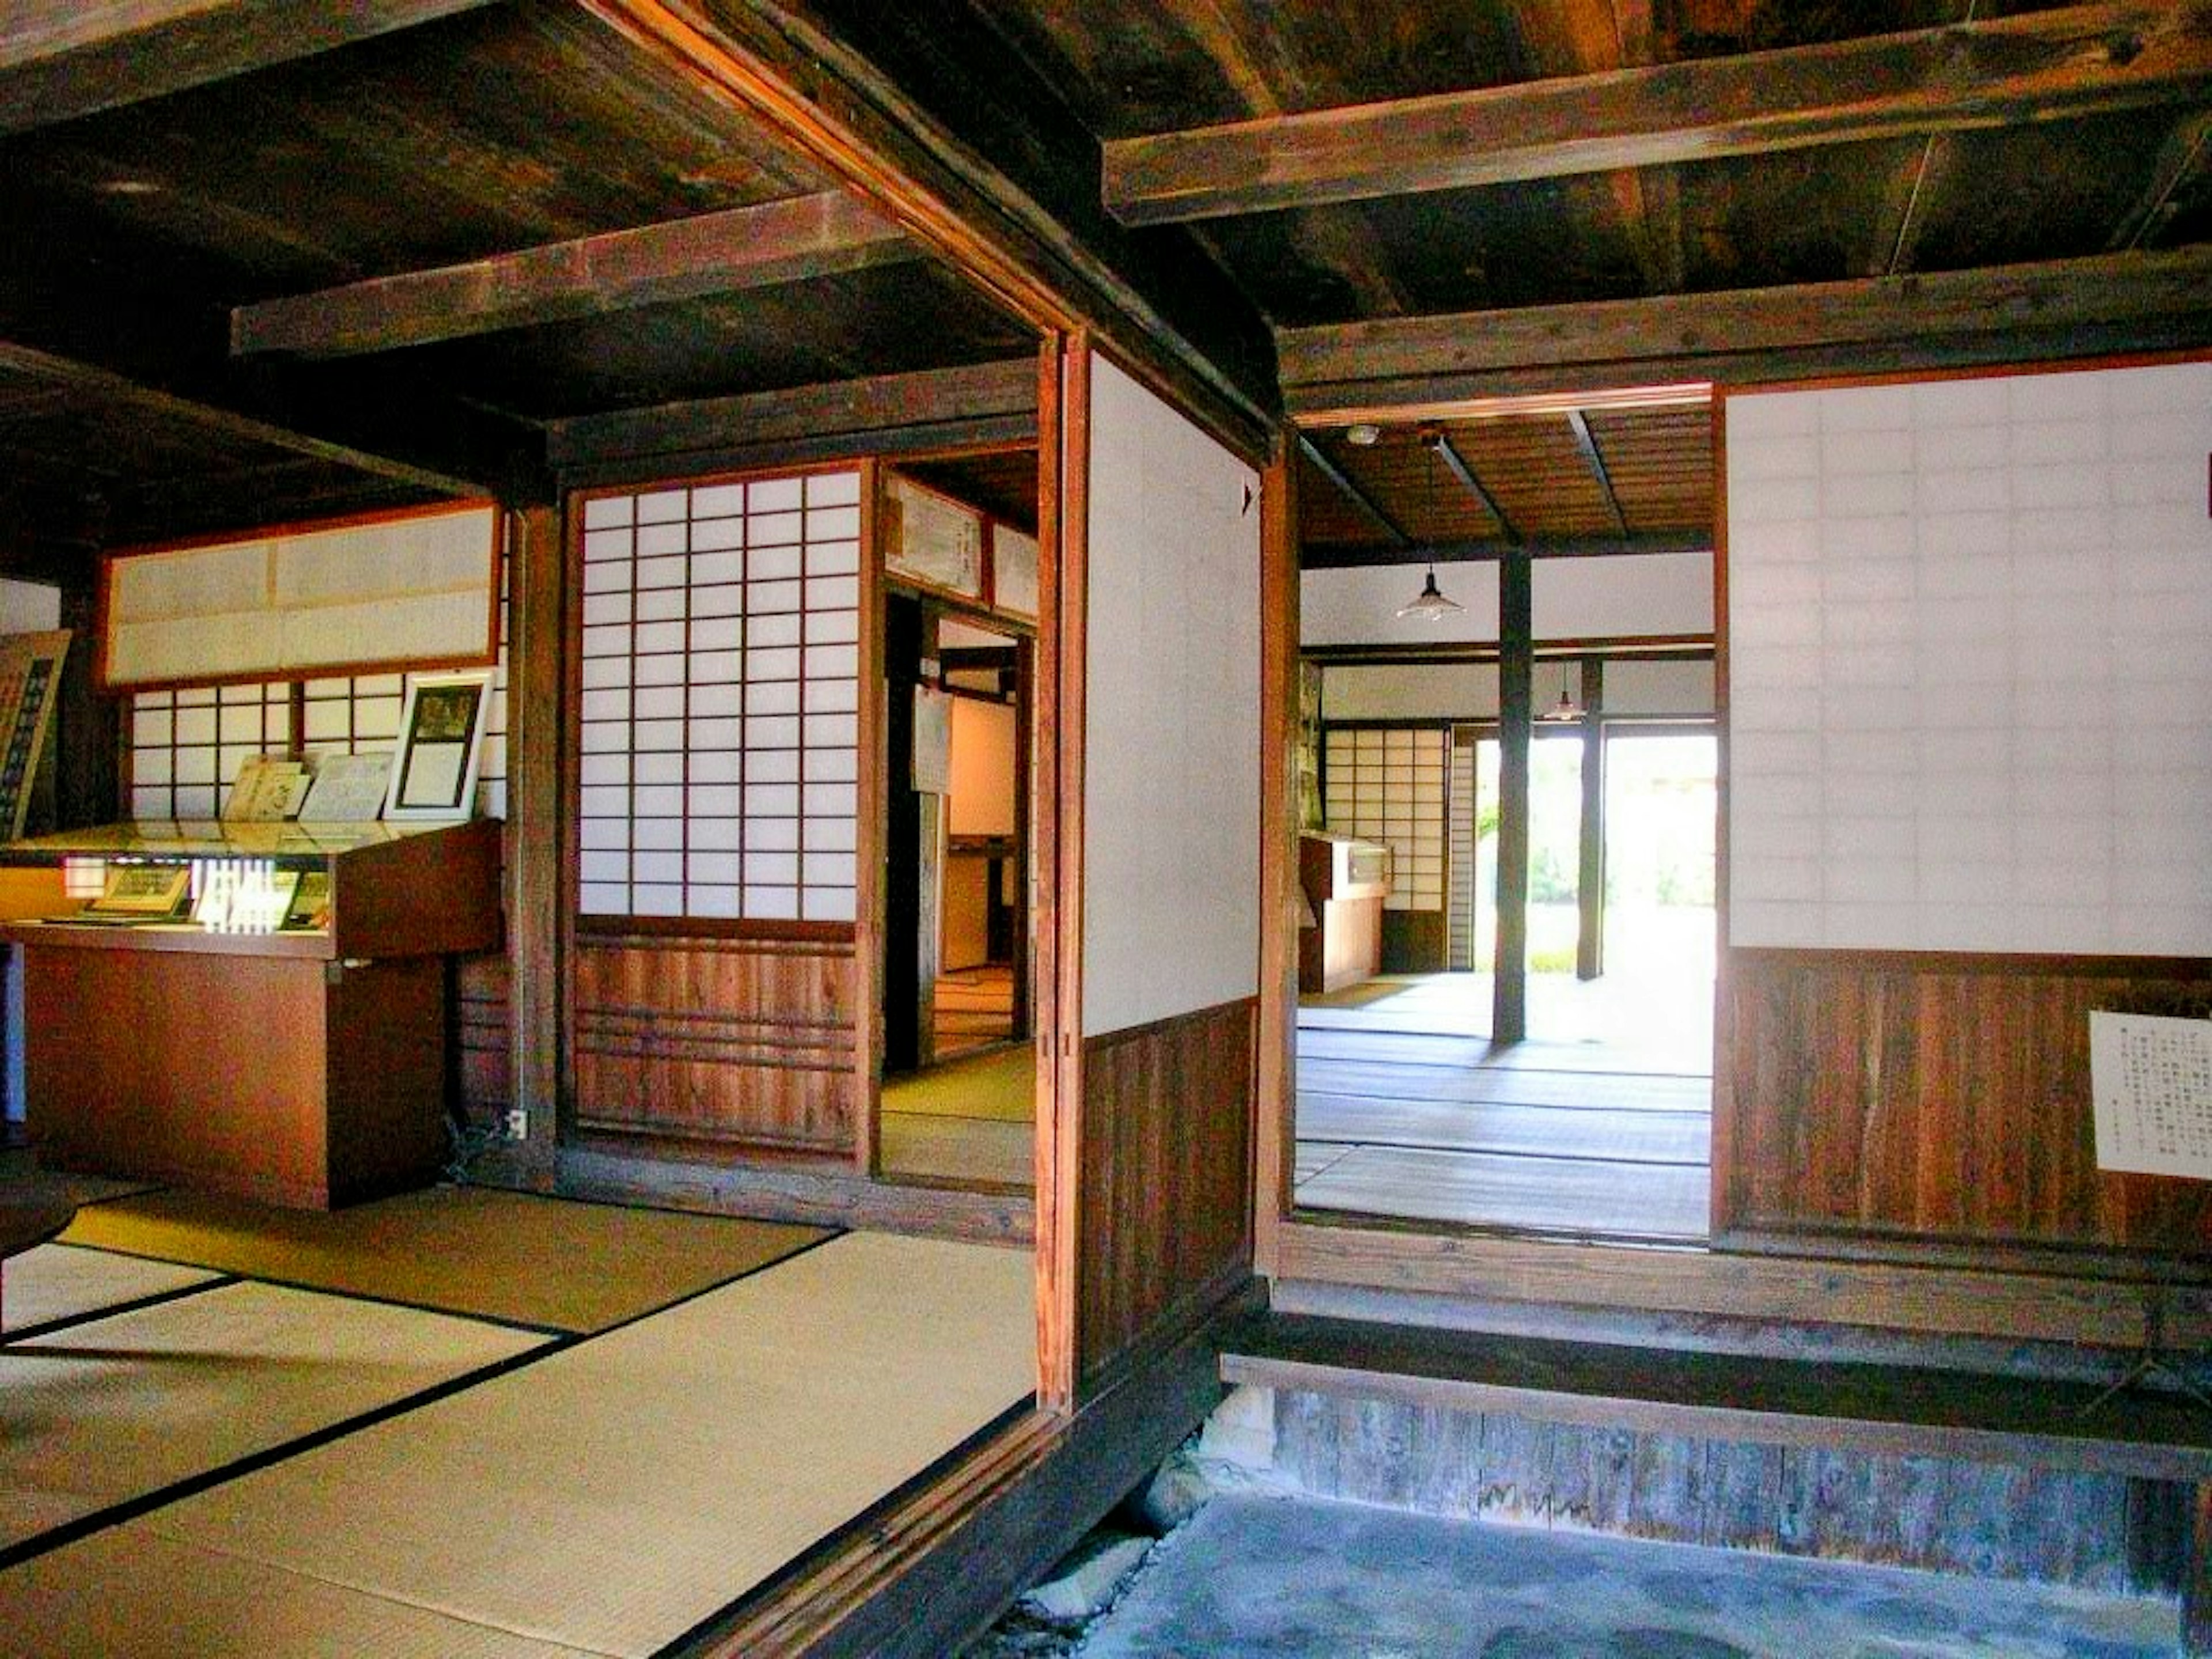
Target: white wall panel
1172, 786
1665, 594
1970, 691
1469, 692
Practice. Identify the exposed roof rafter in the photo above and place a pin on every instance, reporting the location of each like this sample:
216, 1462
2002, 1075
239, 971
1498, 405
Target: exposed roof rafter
726, 252
58, 61
2081, 60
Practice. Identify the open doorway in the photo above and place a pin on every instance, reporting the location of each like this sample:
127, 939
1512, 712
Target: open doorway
1599, 1123
957, 1104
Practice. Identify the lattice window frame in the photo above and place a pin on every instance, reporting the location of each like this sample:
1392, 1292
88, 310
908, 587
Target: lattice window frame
735, 722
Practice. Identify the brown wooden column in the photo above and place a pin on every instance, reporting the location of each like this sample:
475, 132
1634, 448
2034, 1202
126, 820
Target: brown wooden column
1516, 665
88, 731
536, 687
1590, 878
1275, 1080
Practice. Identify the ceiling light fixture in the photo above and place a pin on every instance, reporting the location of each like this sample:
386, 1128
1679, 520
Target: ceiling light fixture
1566, 709
1430, 605
1362, 434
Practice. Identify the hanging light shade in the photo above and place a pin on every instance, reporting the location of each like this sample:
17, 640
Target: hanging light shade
1566, 709
1430, 605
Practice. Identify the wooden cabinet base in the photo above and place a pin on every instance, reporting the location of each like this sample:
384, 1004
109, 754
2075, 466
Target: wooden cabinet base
280, 1078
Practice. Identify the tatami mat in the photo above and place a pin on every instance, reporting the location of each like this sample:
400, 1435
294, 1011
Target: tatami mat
612, 1495
61, 1281
116, 1408
1000, 1085
475, 1250
66, 1606
958, 1148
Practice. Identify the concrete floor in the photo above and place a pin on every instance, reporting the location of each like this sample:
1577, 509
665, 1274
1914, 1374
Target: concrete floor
1298, 1579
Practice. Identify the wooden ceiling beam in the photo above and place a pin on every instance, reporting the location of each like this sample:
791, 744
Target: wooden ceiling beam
2065, 307
1346, 485
116, 389
727, 252
995, 402
2048, 65
60, 61
1440, 444
1594, 458
1348, 556
977, 156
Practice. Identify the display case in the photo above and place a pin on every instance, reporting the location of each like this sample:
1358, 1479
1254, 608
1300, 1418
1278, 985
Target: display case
301, 1064
1340, 936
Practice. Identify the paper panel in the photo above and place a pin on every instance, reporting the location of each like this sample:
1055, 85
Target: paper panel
192, 581
406, 555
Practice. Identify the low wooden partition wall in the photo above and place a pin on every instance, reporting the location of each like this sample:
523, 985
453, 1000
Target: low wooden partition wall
1166, 1160
746, 1042
1918, 1099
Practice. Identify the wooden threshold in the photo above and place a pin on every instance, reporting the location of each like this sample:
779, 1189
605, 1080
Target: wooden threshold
1945, 1301
1900, 1411
814, 1197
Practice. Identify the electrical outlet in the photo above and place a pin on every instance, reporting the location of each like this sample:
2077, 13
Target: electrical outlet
517, 1123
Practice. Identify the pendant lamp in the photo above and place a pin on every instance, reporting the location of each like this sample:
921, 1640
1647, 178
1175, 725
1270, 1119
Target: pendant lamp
1430, 605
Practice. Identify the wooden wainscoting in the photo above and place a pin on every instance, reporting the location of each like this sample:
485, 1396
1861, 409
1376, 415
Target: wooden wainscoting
747, 1042
1166, 1203
1911, 1098
481, 1038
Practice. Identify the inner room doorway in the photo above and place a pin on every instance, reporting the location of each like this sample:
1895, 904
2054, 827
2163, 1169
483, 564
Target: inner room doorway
957, 1104
1599, 1123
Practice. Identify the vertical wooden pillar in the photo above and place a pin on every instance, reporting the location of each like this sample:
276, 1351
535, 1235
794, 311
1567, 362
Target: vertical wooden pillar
537, 681
904, 1044
1023, 1011
88, 727
1516, 666
1589, 879
1063, 541
2196, 1575
1274, 1127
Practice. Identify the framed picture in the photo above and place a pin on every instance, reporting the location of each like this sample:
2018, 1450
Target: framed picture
433, 776
152, 892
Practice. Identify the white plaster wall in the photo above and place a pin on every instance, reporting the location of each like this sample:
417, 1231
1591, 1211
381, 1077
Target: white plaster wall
1970, 664
29, 607
1171, 784
1469, 692
1637, 594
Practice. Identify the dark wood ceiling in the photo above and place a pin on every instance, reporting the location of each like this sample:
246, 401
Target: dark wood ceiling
289, 256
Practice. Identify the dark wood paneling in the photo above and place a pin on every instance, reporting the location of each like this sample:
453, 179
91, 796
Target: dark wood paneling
1414, 942
1165, 1201
743, 1041
1915, 1098
483, 1038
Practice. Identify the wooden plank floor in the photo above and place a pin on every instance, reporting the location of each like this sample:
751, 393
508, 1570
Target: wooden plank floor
1583, 1139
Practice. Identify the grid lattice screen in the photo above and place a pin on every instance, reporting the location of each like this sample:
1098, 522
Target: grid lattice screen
1462, 877
1389, 786
186, 745
719, 724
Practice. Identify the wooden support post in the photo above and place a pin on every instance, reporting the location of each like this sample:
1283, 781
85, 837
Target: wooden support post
1589, 879
536, 682
88, 733
1516, 668
2196, 1575
903, 903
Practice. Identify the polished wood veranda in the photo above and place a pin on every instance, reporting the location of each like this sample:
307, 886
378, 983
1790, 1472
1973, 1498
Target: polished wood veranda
1406, 1110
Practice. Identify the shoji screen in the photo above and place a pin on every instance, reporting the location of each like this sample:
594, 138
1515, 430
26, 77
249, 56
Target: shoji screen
720, 726
1387, 785
1970, 692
